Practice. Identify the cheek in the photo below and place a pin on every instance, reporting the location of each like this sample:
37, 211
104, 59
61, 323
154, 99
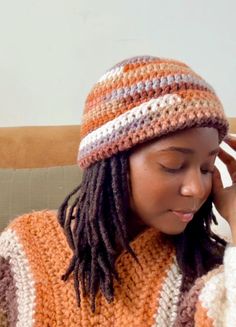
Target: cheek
148, 190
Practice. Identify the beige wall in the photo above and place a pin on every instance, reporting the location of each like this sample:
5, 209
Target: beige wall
51, 51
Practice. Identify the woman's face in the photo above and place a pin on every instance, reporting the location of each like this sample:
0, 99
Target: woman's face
171, 178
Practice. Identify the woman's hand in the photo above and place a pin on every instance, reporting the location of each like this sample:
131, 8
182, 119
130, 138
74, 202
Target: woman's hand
225, 197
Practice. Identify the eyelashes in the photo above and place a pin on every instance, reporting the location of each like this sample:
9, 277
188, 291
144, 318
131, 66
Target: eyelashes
204, 171
171, 170
180, 169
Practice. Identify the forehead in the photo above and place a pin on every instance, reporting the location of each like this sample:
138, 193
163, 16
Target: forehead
199, 139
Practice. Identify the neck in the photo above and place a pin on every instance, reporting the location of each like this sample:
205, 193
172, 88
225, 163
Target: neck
135, 227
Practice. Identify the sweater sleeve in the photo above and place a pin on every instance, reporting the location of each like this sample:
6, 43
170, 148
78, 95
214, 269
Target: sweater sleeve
8, 283
16, 282
8, 304
216, 303
33, 257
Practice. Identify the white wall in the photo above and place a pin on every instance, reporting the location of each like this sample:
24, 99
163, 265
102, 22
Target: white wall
52, 51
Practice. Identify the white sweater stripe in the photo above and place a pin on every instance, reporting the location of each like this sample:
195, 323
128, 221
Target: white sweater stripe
168, 298
219, 293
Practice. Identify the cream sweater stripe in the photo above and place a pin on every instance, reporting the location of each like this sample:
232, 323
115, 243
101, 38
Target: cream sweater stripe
230, 284
219, 293
168, 298
10, 247
212, 299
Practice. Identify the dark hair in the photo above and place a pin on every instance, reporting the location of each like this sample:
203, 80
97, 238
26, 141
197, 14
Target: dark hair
100, 210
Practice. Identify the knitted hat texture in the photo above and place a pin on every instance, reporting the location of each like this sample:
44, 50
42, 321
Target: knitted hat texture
142, 98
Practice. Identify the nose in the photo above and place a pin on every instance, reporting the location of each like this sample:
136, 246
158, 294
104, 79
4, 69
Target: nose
195, 185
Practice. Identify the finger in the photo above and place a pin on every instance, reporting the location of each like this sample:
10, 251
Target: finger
230, 163
217, 183
231, 141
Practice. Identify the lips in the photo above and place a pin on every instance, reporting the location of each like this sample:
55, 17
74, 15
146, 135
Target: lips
184, 216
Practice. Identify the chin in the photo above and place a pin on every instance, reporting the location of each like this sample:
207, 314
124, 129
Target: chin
171, 230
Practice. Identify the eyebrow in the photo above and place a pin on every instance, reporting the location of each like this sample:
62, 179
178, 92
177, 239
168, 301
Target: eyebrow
188, 151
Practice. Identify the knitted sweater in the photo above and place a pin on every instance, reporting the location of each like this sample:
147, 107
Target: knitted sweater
34, 255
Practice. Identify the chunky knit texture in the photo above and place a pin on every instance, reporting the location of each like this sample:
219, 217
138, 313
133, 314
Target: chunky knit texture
34, 254
142, 98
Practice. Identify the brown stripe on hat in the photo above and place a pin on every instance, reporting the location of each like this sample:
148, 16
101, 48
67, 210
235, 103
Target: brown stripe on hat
168, 120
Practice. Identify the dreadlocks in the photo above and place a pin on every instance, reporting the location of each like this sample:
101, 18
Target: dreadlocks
100, 213
100, 210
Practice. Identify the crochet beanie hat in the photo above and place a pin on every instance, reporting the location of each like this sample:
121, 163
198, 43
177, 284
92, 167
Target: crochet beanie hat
142, 98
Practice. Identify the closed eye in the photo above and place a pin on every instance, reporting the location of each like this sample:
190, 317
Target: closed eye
207, 171
172, 170
178, 169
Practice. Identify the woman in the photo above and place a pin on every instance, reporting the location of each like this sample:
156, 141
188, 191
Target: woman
133, 243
